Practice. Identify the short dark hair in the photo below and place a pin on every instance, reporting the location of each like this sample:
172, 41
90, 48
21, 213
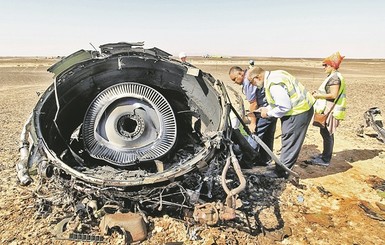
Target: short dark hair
234, 69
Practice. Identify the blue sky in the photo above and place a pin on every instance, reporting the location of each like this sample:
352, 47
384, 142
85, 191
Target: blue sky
292, 28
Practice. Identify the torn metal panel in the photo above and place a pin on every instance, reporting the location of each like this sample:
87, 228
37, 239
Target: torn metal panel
373, 118
75, 58
129, 222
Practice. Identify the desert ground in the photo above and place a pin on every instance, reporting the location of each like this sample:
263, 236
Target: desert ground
328, 207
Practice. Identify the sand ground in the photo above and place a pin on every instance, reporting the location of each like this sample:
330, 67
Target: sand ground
326, 211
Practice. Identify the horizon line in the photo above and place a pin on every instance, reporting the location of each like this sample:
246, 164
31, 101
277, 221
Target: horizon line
196, 56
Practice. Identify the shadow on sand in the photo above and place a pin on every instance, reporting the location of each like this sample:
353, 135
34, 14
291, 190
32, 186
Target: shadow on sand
341, 161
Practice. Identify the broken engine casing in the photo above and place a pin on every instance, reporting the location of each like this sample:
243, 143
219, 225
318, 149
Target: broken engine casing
127, 116
131, 130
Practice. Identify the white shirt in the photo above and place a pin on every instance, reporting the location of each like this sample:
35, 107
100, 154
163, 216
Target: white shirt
282, 101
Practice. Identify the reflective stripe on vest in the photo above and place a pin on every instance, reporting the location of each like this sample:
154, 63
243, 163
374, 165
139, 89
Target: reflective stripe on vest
301, 100
339, 110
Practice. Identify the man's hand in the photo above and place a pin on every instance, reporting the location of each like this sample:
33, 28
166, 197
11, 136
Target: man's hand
263, 111
315, 94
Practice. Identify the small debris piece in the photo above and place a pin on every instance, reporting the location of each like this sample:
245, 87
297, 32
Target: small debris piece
280, 235
206, 214
324, 192
300, 199
61, 227
370, 211
85, 237
373, 118
132, 223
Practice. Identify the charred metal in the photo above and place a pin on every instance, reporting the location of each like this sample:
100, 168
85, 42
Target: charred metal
133, 128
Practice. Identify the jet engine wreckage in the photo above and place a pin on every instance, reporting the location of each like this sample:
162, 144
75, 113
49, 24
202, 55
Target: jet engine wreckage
125, 132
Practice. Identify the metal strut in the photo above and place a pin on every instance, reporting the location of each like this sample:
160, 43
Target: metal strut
230, 200
22, 165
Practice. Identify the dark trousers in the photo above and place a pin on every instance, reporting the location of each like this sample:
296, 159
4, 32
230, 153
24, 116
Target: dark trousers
249, 154
293, 135
265, 131
328, 144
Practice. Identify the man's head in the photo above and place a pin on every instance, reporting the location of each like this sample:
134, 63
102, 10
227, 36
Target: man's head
256, 76
182, 56
237, 74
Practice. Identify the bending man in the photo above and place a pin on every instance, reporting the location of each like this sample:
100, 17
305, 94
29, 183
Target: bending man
264, 128
289, 100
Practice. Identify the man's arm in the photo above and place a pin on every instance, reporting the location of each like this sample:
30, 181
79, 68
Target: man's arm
253, 119
282, 102
251, 96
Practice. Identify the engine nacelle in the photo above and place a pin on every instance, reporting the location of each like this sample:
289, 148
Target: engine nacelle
128, 116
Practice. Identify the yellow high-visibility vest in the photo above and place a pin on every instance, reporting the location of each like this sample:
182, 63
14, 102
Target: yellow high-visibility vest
339, 110
301, 100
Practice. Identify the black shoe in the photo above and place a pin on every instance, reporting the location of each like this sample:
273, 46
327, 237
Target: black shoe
318, 161
317, 156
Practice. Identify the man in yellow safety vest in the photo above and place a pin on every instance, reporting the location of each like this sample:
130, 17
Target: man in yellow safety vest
292, 103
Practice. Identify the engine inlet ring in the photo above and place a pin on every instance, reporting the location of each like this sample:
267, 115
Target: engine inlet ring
127, 123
